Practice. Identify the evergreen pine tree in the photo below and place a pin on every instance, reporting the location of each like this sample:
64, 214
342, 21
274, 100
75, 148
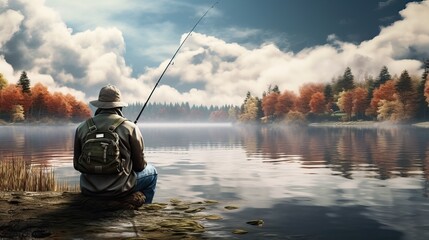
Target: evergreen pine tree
276, 89
425, 70
383, 77
346, 82
407, 95
24, 82
422, 105
404, 83
260, 112
328, 93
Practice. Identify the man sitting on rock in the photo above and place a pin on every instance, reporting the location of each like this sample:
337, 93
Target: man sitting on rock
108, 151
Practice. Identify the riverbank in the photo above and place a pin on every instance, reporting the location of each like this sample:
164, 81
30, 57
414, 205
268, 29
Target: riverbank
367, 124
29, 215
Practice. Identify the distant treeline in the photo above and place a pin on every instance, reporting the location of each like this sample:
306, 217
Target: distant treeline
20, 102
181, 112
401, 98
384, 98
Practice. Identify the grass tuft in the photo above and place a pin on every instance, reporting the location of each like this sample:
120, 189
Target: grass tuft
17, 175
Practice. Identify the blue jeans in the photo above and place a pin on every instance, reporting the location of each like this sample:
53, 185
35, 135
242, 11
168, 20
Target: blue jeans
146, 182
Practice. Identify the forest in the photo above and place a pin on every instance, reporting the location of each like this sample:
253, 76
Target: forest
181, 112
398, 99
22, 103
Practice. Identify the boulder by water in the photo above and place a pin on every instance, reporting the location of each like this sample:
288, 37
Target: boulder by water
29, 215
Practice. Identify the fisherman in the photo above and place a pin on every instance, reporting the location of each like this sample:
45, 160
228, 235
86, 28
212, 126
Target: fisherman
118, 173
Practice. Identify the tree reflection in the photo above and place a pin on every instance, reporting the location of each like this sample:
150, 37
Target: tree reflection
384, 152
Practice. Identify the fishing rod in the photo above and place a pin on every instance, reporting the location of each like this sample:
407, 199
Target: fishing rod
171, 60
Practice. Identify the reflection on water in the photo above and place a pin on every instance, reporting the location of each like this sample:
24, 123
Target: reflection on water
319, 183
381, 153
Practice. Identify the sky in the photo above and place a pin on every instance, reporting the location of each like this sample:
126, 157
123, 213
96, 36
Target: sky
80, 46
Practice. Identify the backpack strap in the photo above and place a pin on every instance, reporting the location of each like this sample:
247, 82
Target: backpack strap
116, 123
91, 125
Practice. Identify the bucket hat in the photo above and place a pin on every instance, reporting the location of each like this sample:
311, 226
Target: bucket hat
109, 97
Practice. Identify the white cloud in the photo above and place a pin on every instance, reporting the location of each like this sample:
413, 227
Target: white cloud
10, 25
218, 72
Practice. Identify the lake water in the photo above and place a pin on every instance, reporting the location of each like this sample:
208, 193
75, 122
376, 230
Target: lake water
305, 183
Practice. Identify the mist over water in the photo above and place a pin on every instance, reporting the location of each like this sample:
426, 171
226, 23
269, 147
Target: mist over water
314, 182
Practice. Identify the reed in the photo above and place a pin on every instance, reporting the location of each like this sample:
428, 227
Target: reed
17, 175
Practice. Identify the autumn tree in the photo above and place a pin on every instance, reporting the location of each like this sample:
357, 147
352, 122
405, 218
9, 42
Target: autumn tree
305, 92
360, 101
317, 103
58, 106
285, 103
24, 83
391, 111
40, 97
3, 81
233, 113
386, 91
345, 103
17, 113
10, 96
250, 109
269, 104
295, 118
80, 111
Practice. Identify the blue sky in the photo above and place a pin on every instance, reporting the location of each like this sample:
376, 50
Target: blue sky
242, 45
152, 31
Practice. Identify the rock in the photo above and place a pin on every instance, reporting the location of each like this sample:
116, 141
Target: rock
239, 231
256, 222
73, 216
231, 207
194, 210
213, 217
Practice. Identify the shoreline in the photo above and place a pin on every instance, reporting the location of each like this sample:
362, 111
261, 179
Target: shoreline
368, 124
27, 215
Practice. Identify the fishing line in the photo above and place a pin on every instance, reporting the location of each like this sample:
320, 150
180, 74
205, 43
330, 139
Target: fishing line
171, 60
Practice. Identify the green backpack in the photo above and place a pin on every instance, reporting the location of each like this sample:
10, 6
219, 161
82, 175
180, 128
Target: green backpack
100, 150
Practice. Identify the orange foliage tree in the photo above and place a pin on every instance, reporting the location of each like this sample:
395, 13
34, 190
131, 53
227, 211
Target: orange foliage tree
268, 104
285, 103
317, 103
42, 104
360, 101
59, 107
40, 95
345, 103
386, 91
305, 93
10, 96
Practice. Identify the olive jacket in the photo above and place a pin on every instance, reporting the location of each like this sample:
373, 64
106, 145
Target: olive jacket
131, 150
